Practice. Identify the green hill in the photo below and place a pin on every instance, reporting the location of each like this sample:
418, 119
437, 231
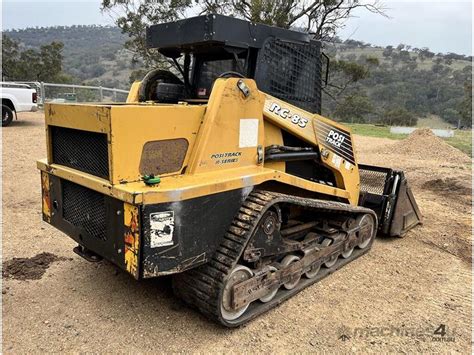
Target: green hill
412, 79
92, 54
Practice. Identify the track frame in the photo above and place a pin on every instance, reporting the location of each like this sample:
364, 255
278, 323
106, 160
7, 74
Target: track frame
203, 286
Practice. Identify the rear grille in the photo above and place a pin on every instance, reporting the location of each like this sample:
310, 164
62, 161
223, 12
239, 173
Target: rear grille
84, 208
373, 181
81, 150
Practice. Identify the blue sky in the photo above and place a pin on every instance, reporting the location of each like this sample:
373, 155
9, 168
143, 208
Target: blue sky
443, 26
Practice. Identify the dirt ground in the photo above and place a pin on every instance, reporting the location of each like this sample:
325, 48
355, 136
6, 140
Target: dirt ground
390, 300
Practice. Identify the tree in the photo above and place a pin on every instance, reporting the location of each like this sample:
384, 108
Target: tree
399, 117
451, 115
410, 66
51, 59
346, 73
404, 56
133, 16
372, 61
320, 18
10, 54
465, 109
425, 53
31, 64
354, 108
387, 52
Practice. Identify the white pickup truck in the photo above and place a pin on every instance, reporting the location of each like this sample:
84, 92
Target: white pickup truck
16, 98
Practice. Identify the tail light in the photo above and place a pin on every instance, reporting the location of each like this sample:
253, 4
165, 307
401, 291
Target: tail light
35, 97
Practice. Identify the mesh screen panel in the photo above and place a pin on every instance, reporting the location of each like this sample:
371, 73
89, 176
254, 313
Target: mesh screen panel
211, 69
372, 181
163, 157
81, 150
291, 72
84, 208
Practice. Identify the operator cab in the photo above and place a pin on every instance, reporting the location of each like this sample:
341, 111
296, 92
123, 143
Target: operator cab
284, 63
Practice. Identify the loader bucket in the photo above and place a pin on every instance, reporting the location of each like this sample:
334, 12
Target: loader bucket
386, 191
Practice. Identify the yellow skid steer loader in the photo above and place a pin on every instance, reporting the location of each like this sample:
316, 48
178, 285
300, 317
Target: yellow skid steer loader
223, 174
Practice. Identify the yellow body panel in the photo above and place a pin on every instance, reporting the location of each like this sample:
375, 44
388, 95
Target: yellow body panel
290, 118
305, 126
232, 129
226, 138
93, 118
154, 123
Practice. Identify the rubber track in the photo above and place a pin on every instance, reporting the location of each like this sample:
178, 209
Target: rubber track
201, 287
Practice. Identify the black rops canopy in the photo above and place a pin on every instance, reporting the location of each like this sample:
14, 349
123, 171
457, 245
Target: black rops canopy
189, 34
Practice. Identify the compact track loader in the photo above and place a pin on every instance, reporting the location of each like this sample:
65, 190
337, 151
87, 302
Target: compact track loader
223, 174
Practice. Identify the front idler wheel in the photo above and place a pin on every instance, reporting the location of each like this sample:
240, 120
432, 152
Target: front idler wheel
366, 230
239, 274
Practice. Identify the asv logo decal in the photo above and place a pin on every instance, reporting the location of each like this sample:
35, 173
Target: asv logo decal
335, 138
286, 114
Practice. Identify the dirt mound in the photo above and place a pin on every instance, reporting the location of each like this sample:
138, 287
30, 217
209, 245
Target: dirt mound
457, 190
423, 144
448, 184
28, 268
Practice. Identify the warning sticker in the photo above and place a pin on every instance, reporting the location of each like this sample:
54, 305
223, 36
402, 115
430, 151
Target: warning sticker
336, 160
248, 136
161, 229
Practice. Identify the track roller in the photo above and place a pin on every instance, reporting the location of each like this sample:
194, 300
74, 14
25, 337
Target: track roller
287, 260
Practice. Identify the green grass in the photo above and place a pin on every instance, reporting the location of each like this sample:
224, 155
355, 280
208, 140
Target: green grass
462, 140
373, 131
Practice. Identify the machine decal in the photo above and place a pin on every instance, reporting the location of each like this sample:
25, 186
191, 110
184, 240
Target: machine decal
46, 197
248, 134
161, 229
336, 160
286, 114
131, 238
336, 140
226, 158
